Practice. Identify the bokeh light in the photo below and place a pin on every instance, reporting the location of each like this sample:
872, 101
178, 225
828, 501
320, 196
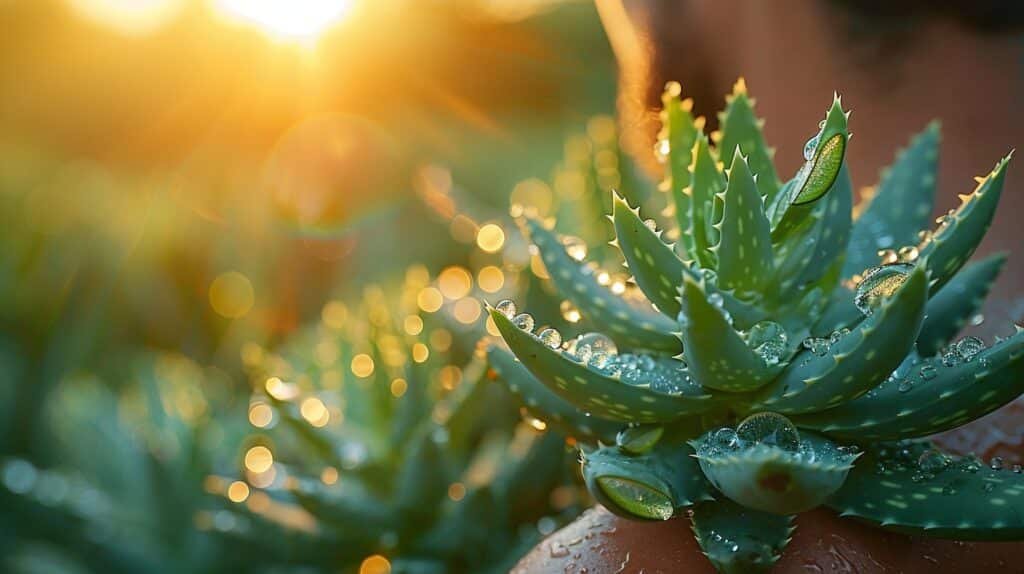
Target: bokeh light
238, 491
232, 295
375, 564
293, 20
259, 459
362, 365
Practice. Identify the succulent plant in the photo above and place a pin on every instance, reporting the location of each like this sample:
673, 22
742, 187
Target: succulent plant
768, 361
379, 441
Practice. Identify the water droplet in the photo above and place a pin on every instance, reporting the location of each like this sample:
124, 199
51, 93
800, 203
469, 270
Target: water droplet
1017, 468
908, 254
810, 147
996, 463
769, 429
933, 461
888, 256
506, 307
928, 372
878, 284
950, 357
651, 224
817, 345
524, 321
551, 337
724, 439
988, 486
977, 319
969, 347
837, 336
597, 343
905, 385
768, 339
575, 247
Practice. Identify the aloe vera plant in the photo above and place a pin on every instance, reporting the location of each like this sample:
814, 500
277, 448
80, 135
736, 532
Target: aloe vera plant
377, 438
780, 354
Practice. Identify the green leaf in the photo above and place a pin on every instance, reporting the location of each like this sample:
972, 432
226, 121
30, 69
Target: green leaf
627, 324
675, 142
740, 540
961, 499
745, 249
716, 354
959, 300
604, 395
650, 486
771, 478
902, 205
924, 397
653, 263
742, 130
955, 241
544, 404
857, 362
707, 183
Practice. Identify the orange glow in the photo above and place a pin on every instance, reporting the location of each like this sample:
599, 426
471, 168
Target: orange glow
302, 20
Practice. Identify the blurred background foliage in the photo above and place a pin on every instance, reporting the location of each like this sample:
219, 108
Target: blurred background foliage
182, 180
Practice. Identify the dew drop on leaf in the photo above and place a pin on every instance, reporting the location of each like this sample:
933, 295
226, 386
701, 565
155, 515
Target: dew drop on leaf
636, 498
969, 347
506, 307
770, 429
551, 338
878, 284
524, 321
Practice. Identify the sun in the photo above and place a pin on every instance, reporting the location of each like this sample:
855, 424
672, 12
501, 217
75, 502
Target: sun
297, 20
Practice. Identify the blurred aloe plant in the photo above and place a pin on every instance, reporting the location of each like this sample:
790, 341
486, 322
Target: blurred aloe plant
121, 487
767, 362
378, 440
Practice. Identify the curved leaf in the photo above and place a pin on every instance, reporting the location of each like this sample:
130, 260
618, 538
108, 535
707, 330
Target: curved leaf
773, 479
650, 486
949, 310
740, 540
959, 499
925, 397
902, 205
546, 405
654, 264
626, 324
857, 362
716, 354
955, 241
604, 395
676, 139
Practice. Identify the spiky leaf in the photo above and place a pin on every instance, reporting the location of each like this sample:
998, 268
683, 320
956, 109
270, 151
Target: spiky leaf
654, 264
745, 249
706, 184
955, 241
925, 396
901, 205
678, 133
958, 498
739, 540
604, 395
857, 362
627, 324
741, 130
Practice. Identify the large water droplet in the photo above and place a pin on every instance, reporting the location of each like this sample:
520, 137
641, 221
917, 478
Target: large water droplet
598, 343
969, 347
928, 372
769, 429
506, 307
880, 283
768, 339
524, 321
636, 498
551, 337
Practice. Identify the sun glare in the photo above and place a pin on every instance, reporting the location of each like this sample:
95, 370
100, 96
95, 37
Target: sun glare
301, 20
133, 17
